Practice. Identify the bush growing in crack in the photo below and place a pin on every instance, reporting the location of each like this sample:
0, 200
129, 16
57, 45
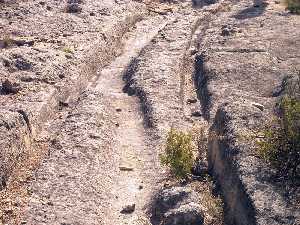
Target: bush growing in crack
178, 153
281, 143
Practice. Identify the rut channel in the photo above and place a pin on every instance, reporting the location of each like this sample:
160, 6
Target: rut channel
102, 159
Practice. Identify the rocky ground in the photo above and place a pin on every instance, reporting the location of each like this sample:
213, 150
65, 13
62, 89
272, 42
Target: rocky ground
91, 88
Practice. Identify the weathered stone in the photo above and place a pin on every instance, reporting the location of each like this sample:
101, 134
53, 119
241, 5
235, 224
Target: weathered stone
172, 204
169, 198
188, 214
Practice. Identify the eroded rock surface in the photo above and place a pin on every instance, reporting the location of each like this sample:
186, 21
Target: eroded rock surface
245, 55
100, 83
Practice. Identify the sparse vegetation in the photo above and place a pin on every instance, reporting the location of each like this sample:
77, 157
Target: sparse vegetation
68, 50
178, 153
211, 201
293, 6
214, 208
281, 143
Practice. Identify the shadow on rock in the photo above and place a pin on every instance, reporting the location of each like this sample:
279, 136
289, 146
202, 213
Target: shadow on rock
175, 206
202, 3
257, 9
201, 79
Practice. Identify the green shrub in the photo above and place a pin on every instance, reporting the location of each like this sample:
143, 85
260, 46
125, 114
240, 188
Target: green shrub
178, 153
281, 143
293, 6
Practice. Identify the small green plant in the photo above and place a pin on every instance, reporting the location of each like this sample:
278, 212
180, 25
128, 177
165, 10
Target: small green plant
293, 6
68, 50
281, 143
178, 153
211, 201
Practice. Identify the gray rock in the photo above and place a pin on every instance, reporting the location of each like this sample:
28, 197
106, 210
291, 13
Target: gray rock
176, 204
169, 198
189, 214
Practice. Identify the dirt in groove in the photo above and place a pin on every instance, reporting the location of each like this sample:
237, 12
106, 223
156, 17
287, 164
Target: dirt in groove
102, 160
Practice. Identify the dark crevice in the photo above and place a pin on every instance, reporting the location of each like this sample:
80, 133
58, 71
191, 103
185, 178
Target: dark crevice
132, 88
238, 206
201, 81
25, 117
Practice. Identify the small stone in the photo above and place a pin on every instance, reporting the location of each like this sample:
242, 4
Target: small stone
259, 106
125, 168
117, 124
191, 100
190, 213
227, 30
128, 209
68, 56
118, 109
94, 136
196, 113
140, 187
66, 34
